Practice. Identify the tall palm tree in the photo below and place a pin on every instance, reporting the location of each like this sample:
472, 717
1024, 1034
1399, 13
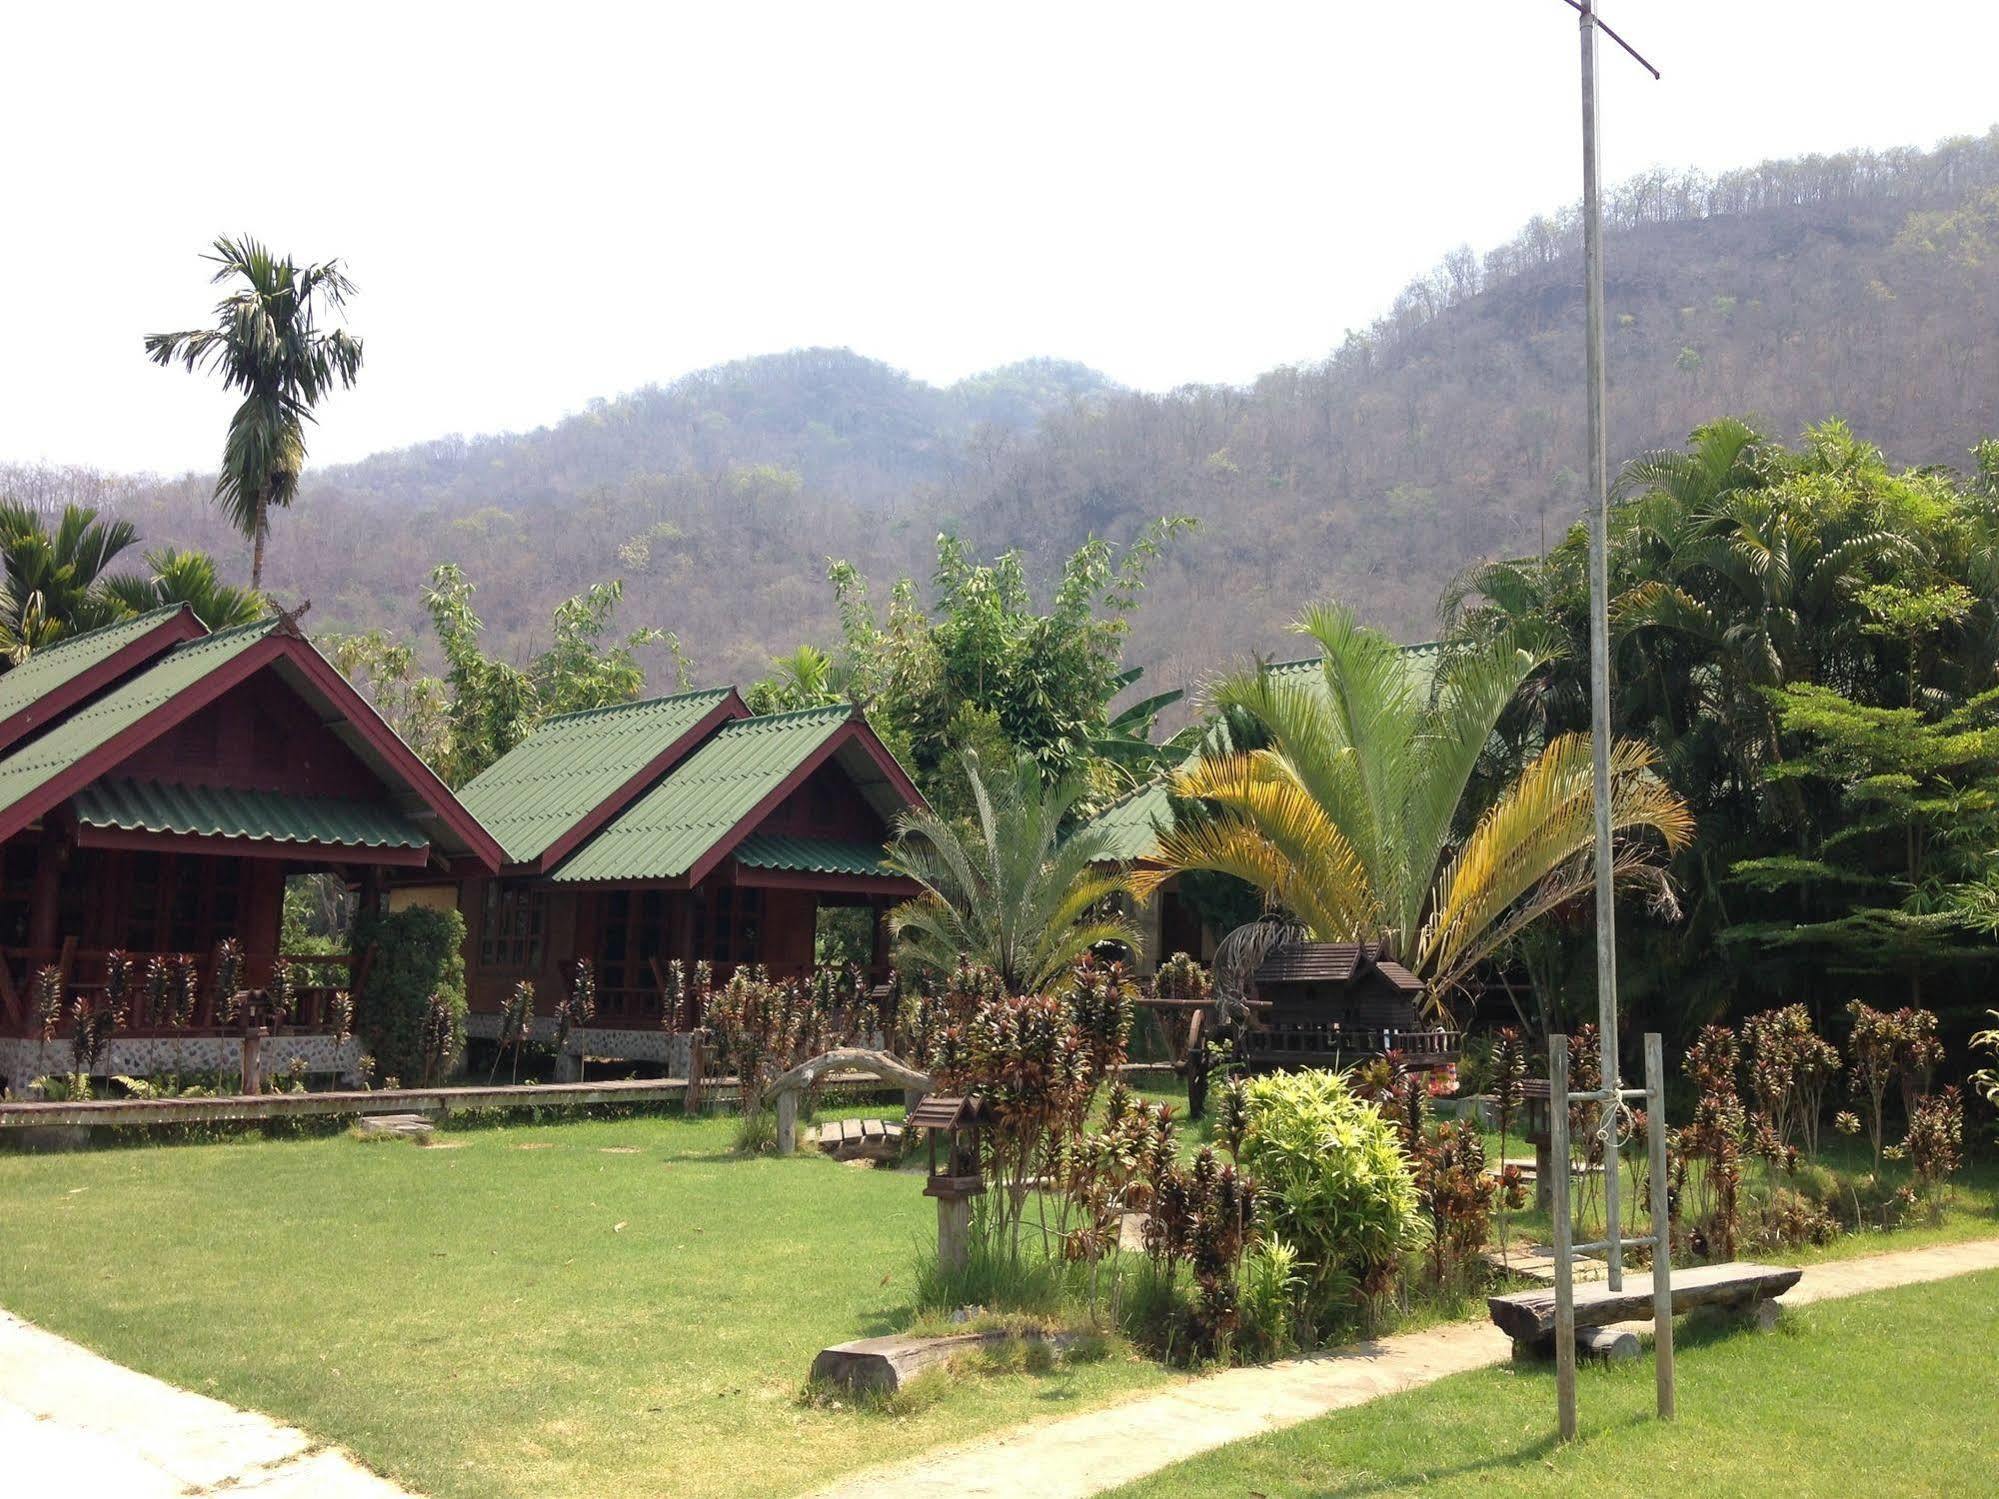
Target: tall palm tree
51, 580
173, 576
1010, 893
267, 343
1350, 819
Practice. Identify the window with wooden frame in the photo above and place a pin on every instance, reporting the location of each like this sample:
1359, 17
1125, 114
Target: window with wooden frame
728, 923
511, 925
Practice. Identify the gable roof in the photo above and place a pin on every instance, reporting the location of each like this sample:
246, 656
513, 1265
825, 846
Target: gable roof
1343, 963
711, 801
58, 677
43, 772
566, 780
92, 741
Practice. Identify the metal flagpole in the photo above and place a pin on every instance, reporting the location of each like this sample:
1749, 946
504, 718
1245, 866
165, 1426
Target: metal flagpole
1599, 644
1611, 1092
1599, 630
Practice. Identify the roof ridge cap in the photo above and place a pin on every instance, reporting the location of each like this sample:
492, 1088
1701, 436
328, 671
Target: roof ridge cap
845, 710
638, 702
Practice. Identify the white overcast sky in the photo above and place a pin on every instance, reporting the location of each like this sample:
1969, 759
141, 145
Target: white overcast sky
545, 203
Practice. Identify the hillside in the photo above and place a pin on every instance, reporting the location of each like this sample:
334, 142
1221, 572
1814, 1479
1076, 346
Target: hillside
1862, 285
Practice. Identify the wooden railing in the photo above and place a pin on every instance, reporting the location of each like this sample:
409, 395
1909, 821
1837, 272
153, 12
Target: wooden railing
318, 976
1280, 1042
642, 1007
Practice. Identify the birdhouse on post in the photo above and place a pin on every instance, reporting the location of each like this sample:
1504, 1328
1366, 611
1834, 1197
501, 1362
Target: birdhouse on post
957, 1124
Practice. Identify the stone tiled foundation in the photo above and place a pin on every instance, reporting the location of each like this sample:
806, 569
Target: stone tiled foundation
668, 1048
22, 1061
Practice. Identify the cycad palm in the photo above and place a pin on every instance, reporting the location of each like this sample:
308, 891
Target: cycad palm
267, 343
52, 581
1011, 893
1346, 819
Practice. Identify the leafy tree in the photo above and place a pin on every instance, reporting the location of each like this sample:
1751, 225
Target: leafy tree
1740, 569
268, 343
988, 667
1009, 893
1347, 820
1919, 803
484, 706
415, 705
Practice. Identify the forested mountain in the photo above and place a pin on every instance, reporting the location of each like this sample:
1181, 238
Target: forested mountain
1864, 285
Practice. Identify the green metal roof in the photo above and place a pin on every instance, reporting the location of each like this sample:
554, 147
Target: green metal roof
565, 769
34, 765
809, 855
1132, 822
49, 668
225, 812
668, 830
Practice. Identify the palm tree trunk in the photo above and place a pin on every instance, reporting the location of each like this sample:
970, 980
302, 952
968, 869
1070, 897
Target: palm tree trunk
257, 549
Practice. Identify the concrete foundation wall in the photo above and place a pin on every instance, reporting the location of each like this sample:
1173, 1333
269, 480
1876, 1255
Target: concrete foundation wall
22, 1061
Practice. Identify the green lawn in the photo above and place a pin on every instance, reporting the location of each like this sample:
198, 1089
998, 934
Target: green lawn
1894, 1393
586, 1308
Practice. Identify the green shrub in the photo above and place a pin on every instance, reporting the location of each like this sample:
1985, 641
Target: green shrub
418, 953
1272, 1281
1333, 1181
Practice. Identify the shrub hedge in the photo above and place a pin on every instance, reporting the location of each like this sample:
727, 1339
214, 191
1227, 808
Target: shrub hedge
418, 953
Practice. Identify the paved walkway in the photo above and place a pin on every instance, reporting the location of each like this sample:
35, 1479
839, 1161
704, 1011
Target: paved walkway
71, 1422
1086, 1454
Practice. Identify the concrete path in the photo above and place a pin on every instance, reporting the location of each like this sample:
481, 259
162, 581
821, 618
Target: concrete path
71, 1422
1086, 1454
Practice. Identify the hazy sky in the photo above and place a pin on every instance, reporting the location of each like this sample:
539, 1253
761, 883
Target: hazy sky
545, 203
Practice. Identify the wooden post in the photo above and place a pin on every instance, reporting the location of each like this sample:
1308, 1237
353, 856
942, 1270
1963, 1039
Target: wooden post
44, 896
1662, 1226
253, 1060
787, 1122
1565, 1289
696, 1061
954, 1231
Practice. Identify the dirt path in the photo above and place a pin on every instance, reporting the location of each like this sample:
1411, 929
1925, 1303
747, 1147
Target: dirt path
1086, 1454
72, 1422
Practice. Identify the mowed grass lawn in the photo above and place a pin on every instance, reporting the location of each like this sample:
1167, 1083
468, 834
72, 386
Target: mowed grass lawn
1895, 1393
583, 1308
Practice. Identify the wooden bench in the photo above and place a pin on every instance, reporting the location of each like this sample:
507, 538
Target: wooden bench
1528, 1317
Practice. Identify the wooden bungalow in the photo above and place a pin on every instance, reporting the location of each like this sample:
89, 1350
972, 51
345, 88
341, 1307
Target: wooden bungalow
682, 828
1170, 925
158, 783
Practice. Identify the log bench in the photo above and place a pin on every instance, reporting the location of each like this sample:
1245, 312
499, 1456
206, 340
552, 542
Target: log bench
1528, 1317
